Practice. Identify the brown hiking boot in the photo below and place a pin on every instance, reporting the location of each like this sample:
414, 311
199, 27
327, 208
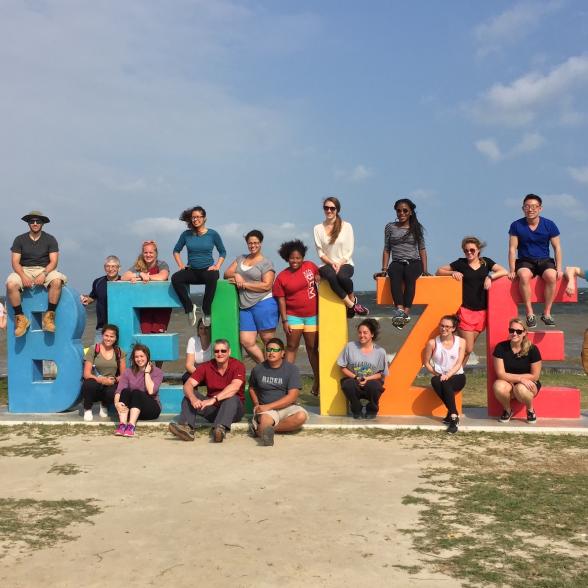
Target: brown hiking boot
21, 324
49, 321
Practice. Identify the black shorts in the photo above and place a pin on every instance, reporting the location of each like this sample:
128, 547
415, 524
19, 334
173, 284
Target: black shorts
537, 266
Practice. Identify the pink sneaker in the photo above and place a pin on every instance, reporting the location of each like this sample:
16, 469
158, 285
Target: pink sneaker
120, 430
129, 431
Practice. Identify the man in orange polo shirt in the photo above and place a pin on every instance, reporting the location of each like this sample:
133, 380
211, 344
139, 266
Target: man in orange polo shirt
224, 378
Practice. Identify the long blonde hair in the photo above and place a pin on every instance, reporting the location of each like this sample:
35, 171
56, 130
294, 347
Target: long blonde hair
525, 344
338, 221
140, 264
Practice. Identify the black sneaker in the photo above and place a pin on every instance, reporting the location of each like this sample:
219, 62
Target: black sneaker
453, 425
447, 418
548, 320
505, 416
267, 436
371, 415
531, 416
357, 415
532, 321
398, 322
350, 312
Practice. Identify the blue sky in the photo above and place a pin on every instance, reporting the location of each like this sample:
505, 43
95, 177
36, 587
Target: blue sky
116, 116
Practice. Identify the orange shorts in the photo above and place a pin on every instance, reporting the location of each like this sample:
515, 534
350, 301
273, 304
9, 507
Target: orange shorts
471, 320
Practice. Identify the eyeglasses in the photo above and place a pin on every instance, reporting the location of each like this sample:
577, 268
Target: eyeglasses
273, 349
197, 217
470, 250
446, 326
517, 331
35, 221
221, 350
329, 208
108, 266
403, 210
531, 207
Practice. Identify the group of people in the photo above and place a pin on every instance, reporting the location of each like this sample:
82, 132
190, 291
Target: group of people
292, 298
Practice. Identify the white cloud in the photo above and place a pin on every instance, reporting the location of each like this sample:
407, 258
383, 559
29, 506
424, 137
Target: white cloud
490, 148
157, 226
359, 173
423, 196
519, 102
580, 174
511, 26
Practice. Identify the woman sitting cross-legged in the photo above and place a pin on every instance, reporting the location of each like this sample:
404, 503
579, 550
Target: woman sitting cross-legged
103, 364
443, 357
364, 365
137, 393
517, 363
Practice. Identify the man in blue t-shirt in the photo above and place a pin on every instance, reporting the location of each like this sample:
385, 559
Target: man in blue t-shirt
528, 256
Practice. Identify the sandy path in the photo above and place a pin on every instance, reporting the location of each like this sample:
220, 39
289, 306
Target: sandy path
312, 510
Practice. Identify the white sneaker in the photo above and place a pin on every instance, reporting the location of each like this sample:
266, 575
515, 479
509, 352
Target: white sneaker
88, 416
206, 320
193, 316
103, 412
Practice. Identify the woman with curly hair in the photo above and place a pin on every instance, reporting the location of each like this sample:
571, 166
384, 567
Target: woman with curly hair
404, 244
295, 289
200, 242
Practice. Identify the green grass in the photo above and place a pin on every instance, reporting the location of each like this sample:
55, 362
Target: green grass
35, 524
3, 391
516, 514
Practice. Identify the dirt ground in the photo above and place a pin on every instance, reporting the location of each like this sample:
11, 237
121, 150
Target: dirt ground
314, 510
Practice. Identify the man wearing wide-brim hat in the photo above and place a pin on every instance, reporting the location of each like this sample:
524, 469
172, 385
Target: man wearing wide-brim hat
34, 260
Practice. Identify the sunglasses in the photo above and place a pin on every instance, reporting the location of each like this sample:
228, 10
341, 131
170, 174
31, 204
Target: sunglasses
221, 350
330, 208
470, 250
273, 349
403, 210
35, 221
517, 331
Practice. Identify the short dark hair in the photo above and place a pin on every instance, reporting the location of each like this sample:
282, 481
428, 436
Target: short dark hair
186, 215
276, 341
373, 325
254, 233
288, 247
533, 197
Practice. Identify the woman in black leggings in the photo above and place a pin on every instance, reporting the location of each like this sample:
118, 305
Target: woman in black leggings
404, 242
201, 268
443, 357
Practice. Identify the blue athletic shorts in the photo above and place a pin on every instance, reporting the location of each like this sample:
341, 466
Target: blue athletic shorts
262, 316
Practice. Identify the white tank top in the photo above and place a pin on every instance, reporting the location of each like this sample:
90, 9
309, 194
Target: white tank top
444, 359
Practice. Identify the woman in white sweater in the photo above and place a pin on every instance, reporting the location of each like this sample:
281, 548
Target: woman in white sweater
334, 245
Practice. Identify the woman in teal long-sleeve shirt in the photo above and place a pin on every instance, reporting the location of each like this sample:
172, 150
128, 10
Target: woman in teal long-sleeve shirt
201, 268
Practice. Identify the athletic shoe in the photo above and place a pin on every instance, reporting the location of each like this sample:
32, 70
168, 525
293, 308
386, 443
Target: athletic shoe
120, 430
218, 434
21, 324
398, 322
453, 425
531, 321
183, 432
531, 416
360, 309
129, 431
49, 321
251, 430
357, 415
103, 412
405, 318
350, 312
505, 416
447, 418
396, 312
548, 320
193, 315
88, 416
206, 320
267, 436
371, 415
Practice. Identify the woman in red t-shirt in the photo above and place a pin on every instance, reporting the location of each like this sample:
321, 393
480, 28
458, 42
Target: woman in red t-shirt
296, 291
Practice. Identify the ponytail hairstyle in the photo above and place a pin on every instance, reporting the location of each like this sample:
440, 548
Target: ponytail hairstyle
415, 229
526, 343
479, 244
338, 222
140, 264
453, 318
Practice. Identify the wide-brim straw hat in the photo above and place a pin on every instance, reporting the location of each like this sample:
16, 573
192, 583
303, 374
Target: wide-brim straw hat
36, 214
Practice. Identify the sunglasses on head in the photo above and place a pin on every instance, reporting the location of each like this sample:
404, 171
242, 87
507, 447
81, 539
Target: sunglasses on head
329, 208
517, 331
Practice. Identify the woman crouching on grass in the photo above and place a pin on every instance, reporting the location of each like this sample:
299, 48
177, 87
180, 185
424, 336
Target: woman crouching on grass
137, 393
517, 363
443, 357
